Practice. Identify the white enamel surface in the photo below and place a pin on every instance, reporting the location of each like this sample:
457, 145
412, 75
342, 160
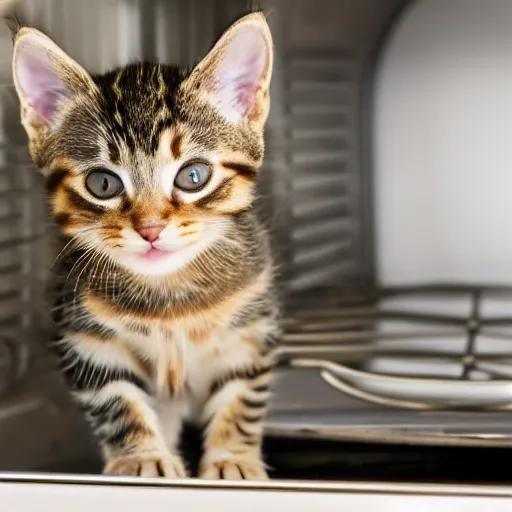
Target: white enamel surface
443, 125
364, 497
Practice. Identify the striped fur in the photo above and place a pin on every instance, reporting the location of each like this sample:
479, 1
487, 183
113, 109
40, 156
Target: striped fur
145, 345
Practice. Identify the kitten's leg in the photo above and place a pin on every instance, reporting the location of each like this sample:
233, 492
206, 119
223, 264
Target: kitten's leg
118, 406
232, 443
233, 425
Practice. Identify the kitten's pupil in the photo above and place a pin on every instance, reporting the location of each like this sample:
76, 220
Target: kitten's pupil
194, 176
102, 184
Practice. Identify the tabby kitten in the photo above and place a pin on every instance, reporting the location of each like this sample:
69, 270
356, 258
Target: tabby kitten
164, 305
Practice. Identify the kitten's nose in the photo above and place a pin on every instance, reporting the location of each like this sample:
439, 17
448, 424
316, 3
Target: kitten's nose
151, 234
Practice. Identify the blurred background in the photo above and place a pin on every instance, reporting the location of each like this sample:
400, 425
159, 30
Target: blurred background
386, 190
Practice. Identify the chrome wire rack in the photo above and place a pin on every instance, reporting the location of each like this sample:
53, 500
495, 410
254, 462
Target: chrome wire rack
431, 347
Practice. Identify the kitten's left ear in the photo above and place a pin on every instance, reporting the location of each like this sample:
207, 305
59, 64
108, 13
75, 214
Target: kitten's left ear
236, 74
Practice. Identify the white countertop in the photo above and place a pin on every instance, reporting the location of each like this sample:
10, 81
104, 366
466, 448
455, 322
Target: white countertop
31, 492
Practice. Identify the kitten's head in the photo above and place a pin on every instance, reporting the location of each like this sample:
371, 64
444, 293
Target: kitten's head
149, 165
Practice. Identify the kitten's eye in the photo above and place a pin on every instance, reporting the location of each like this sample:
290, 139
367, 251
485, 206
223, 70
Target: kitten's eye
193, 177
103, 184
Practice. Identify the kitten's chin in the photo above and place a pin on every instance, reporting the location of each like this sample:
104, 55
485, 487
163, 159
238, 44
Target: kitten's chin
160, 263
156, 263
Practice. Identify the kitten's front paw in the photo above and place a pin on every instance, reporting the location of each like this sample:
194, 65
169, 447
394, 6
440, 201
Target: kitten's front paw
167, 466
234, 468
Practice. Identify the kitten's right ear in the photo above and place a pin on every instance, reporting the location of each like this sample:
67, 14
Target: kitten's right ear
45, 78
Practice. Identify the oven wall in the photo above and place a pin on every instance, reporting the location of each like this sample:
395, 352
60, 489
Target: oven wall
443, 144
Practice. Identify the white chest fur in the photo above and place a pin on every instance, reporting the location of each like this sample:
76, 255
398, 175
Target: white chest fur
187, 368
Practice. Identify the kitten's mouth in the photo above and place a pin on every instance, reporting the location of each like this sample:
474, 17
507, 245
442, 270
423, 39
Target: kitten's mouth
155, 254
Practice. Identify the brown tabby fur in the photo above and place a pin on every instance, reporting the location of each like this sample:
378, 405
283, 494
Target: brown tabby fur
141, 353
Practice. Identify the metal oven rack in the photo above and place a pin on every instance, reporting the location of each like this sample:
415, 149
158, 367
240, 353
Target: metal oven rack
342, 339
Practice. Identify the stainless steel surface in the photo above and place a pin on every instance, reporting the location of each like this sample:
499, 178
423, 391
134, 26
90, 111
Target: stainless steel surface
269, 485
316, 199
420, 394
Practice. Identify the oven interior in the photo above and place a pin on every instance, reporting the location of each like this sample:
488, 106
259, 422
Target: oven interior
379, 378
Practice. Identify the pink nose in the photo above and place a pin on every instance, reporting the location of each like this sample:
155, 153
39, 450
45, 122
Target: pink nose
151, 234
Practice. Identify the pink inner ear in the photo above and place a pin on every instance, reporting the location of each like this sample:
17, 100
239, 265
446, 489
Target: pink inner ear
38, 80
240, 73
247, 84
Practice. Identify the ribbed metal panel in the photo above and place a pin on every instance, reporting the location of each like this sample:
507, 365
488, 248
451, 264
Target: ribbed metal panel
321, 89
